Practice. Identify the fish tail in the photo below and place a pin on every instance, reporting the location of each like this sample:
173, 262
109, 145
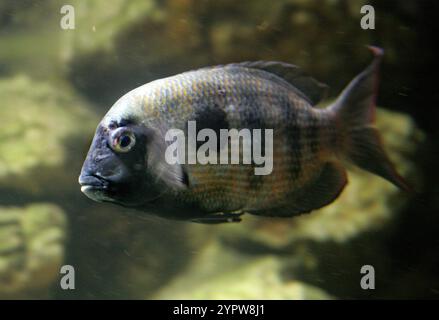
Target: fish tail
357, 139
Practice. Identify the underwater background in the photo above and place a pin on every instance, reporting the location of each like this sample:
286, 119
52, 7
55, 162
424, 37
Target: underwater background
56, 85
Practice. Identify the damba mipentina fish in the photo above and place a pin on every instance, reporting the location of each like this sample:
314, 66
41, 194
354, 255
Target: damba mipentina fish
127, 163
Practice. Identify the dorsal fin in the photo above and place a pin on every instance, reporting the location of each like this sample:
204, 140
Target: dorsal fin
312, 89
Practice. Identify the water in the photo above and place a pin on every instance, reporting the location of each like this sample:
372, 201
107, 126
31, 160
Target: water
56, 83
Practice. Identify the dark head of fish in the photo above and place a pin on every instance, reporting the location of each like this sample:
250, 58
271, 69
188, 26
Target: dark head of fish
115, 167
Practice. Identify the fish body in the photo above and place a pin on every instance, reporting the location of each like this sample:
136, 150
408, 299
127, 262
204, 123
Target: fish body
309, 144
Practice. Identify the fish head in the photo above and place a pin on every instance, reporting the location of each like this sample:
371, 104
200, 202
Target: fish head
115, 167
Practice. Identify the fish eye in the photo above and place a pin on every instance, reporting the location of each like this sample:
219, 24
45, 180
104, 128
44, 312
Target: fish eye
122, 140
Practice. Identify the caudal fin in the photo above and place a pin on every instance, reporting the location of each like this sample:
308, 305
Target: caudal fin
357, 139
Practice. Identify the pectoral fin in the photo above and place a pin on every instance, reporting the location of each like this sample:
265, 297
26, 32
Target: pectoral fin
216, 218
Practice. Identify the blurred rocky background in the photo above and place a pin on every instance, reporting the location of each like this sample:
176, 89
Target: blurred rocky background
55, 85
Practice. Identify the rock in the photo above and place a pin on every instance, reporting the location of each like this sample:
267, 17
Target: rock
44, 128
32, 240
218, 273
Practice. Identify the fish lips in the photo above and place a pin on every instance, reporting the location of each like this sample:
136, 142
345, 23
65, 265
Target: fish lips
95, 187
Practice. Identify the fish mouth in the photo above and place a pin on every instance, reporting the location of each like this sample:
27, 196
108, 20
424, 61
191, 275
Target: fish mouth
95, 187
93, 181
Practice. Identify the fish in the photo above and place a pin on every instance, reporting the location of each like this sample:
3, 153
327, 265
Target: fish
126, 163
